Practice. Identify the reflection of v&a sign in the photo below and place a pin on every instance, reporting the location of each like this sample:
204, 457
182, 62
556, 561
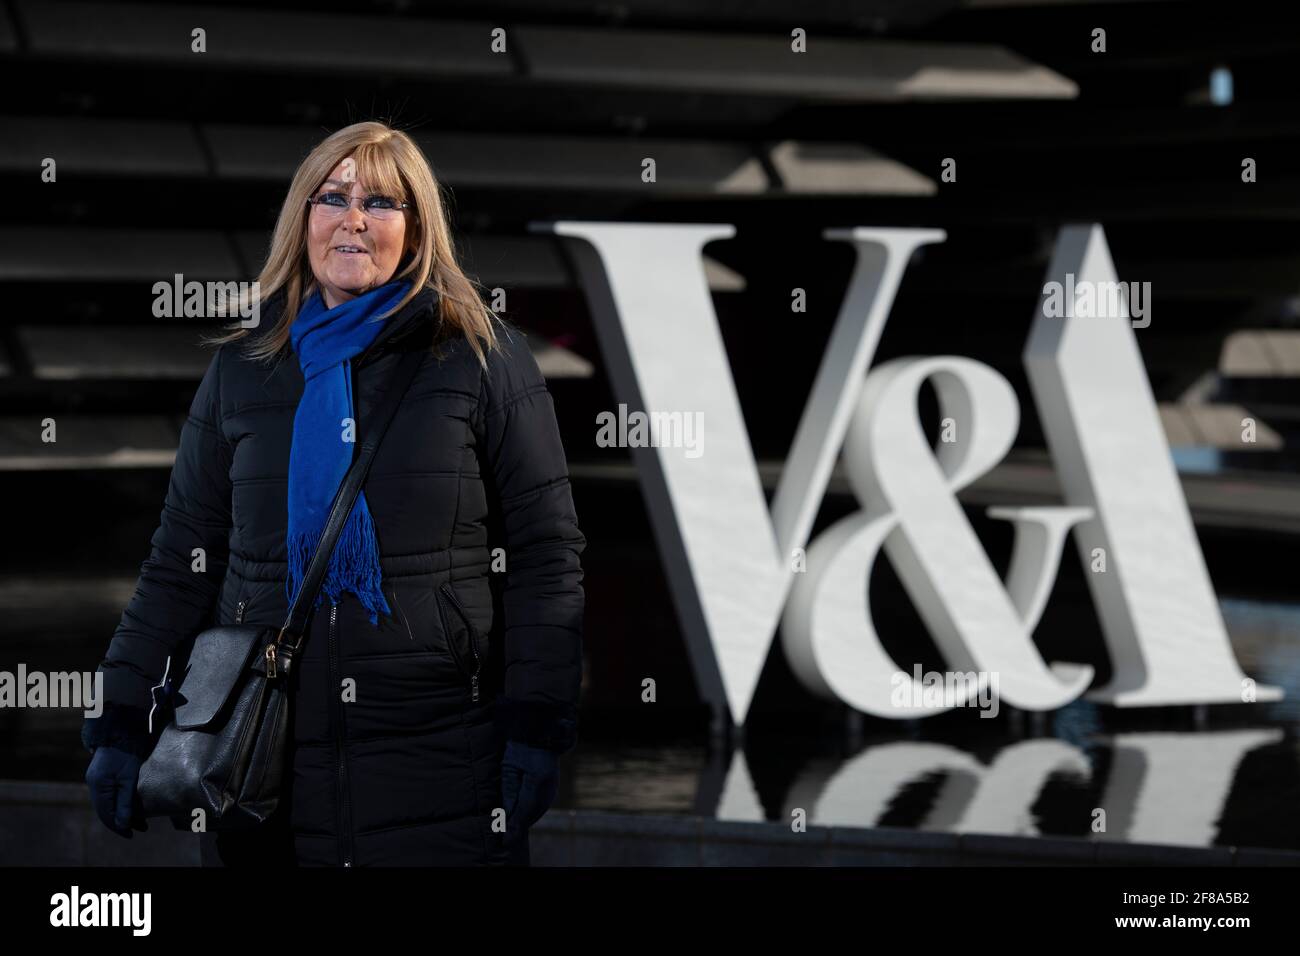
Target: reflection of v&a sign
734, 566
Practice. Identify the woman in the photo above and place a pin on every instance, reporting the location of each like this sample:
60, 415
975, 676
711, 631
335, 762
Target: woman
438, 682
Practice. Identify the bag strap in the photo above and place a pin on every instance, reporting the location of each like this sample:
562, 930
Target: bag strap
349, 488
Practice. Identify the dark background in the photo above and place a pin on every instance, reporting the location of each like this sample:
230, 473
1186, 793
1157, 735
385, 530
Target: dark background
171, 161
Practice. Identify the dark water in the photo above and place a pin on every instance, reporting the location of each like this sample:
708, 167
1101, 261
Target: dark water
1223, 775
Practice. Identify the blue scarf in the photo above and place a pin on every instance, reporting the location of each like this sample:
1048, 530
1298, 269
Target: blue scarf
325, 340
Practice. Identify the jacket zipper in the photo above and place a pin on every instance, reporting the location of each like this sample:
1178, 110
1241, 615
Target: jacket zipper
340, 737
473, 641
239, 612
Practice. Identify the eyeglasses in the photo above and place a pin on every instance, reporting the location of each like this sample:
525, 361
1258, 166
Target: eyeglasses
333, 205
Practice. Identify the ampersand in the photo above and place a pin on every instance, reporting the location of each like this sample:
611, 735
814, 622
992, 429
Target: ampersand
907, 490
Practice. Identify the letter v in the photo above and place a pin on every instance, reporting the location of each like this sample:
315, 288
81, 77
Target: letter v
729, 562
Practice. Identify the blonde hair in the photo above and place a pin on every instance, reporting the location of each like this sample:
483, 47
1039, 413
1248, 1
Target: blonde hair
387, 161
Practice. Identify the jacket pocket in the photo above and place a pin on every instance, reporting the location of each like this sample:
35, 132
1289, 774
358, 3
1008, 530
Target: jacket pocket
461, 636
401, 613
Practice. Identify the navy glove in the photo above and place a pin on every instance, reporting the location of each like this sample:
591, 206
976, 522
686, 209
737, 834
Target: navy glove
120, 741
536, 735
530, 778
112, 778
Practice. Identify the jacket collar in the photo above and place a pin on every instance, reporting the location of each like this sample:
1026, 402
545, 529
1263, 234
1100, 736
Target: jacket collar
400, 326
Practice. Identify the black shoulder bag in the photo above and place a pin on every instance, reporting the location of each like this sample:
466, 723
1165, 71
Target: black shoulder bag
225, 747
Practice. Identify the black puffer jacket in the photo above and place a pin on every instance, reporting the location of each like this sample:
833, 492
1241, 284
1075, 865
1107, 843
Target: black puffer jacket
482, 646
